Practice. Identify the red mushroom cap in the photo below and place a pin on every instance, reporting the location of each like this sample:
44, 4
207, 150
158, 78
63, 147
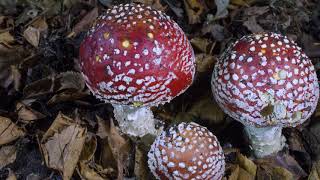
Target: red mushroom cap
186, 151
266, 79
136, 55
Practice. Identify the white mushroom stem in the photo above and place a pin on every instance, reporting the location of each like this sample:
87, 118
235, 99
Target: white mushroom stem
265, 141
135, 121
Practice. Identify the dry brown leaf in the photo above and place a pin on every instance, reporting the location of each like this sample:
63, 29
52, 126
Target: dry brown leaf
40, 24
315, 171
282, 173
141, 169
102, 128
289, 163
245, 175
155, 4
67, 96
205, 62
32, 35
62, 145
234, 172
8, 155
15, 76
9, 131
241, 2
27, 114
39, 87
222, 10
85, 22
68, 86
6, 38
120, 147
88, 173
256, 10
90, 147
252, 25
194, 9
201, 44
69, 81
247, 164
207, 109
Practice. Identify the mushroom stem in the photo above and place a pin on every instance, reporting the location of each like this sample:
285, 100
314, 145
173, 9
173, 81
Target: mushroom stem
135, 121
266, 140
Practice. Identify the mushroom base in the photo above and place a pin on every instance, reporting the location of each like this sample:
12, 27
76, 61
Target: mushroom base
265, 141
135, 121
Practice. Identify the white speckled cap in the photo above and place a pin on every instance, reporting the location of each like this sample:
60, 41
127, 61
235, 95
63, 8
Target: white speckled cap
265, 79
135, 55
186, 151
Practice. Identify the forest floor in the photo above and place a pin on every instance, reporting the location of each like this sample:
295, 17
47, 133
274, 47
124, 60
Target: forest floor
45, 101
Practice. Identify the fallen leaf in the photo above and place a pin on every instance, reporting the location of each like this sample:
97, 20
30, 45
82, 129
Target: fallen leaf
252, 25
120, 147
194, 9
208, 109
216, 30
88, 173
85, 22
10, 59
40, 24
282, 173
315, 171
234, 172
205, 62
222, 10
141, 169
201, 44
67, 86
9, 131
90, 147
62, 145
256, 10
177, 10
8, 155
247, 164
39, 87
32, 35
102, 128
6, 38
242, 2
27, 114
245, 175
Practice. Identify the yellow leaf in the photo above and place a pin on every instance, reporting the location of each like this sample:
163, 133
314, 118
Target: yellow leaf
247, 164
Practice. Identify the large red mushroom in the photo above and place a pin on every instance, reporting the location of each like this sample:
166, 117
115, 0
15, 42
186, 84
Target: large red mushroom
135, 57
266, 82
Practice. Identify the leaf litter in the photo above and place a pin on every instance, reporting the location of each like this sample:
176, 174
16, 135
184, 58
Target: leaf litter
46, 103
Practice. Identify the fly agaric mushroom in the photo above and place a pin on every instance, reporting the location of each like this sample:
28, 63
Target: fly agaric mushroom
135, 57
186, 151
266, 82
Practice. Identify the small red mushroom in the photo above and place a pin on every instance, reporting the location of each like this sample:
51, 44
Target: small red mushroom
186, 151
135, 56
266, 82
